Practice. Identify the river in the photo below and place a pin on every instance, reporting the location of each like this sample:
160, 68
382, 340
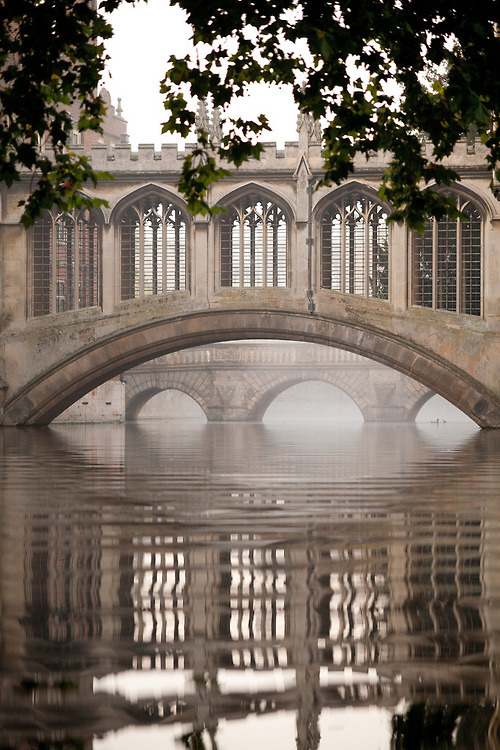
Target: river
179, 585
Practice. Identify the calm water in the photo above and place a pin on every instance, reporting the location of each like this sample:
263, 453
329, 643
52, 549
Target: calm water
244, 586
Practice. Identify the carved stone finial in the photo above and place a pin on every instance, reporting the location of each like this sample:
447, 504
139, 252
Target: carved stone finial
119, 110
312, 127
471, 138
202, 120
216, 127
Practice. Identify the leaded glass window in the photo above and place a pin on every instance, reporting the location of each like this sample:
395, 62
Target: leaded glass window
446, 263
66, 262
153, 248
355, 246
253, 243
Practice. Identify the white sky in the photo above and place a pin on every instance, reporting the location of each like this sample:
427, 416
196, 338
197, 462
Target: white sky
145, 35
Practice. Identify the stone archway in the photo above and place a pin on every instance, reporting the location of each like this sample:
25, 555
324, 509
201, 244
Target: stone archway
49, 394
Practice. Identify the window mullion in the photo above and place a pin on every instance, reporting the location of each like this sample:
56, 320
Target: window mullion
367, 252
459, 295
264, 251
164, 251
53, 269
343, 250
242, 249
141, 256
435, 251
76, 256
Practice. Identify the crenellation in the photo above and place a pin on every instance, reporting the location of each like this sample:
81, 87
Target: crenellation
122, 151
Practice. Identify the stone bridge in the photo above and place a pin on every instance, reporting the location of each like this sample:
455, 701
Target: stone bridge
84, 297
239, 382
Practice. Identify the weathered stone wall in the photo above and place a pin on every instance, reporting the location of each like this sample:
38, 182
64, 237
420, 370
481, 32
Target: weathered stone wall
49, 362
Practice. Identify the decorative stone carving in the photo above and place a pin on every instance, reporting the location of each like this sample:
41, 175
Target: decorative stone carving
216, 127
202, 120
312, 127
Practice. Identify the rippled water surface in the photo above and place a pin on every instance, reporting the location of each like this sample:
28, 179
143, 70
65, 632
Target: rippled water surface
244, 586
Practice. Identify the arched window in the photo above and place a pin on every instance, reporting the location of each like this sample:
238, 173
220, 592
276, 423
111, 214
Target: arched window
253, 243
355, 246
153, 248
66, 261
446, 263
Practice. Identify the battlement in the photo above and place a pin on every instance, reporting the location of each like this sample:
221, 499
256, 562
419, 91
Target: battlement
169, 158
467, 155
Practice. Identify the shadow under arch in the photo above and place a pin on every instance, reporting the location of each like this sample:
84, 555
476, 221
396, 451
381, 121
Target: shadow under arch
140, 399
264, 402
41, 400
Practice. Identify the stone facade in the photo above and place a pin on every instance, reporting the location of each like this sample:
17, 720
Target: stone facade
143, 307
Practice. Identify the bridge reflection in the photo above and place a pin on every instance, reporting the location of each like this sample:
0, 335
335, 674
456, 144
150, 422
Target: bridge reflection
167, 600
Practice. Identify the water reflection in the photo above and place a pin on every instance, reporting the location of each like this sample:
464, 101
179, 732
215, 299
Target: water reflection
195, 579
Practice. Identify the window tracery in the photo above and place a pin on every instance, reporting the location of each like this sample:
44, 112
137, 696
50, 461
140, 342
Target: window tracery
66, 261
153, 248
254, 243
355, 246
446, 263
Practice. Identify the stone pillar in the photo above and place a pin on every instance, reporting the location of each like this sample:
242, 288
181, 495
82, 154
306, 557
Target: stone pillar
303, 270
15, 282
228, 400
111, 282
299, 244
202, 262
491, 276
398, 266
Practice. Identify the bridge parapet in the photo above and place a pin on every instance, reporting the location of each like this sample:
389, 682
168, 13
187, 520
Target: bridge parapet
256, 354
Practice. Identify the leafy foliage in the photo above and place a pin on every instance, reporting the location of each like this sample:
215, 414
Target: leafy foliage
342, 59
51, 56
360, 66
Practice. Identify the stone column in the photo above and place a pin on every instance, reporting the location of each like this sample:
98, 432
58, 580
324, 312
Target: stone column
299, 242
491, 274
15, 279
398, 266
110, 269
202, 263
303, 271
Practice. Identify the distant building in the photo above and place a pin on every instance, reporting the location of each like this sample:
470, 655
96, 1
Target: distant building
114, 125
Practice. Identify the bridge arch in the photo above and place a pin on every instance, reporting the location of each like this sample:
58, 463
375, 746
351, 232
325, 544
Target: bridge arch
42, 399
265, 400
140, 398
139, 393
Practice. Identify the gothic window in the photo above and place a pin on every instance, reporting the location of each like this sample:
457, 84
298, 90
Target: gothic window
66, 261
153, 248
355, 246
253, 243
446, 263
